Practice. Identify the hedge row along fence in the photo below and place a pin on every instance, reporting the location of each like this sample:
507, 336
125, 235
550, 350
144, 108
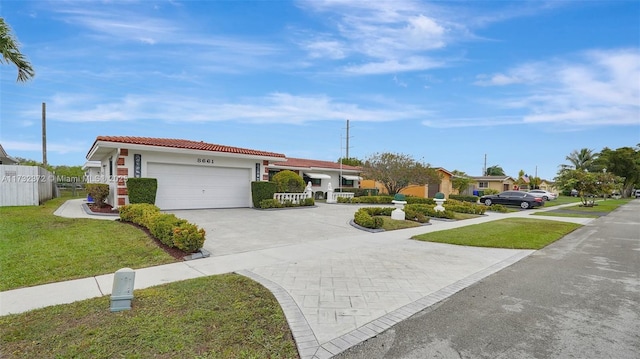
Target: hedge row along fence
167, 228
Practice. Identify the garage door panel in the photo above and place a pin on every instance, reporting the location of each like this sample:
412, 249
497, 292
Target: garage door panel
189, 187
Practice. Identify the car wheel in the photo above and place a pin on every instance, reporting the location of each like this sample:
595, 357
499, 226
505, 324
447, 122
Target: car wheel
487, 202
524, 205
545, 198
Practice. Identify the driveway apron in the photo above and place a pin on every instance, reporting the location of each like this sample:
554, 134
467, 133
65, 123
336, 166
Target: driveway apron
339, 285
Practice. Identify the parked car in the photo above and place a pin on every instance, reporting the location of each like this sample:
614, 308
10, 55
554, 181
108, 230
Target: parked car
546, 195
523, 199
574, 193
637, 193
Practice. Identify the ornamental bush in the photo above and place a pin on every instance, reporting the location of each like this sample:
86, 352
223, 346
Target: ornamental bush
427, 210
142, 190
99, 192
138, 213
261, 190
188, 237
162, 227
288, 182
270, 203
363, 218
167, 228
464, 198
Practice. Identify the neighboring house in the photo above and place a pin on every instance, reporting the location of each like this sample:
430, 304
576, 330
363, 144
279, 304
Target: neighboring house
5, 159
425, 191
548, 186
92, 171
190, 174
319, 173
498, 183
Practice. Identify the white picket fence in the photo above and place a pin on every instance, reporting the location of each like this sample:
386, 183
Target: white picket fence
25, 185
295, 198
336, 195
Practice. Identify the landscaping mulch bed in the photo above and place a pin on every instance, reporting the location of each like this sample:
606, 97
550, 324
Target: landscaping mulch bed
106, 208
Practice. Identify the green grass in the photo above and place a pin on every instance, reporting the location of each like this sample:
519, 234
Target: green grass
561, 200
393, 224
601, 205
578, 211
226, 316
37, 247
516, 233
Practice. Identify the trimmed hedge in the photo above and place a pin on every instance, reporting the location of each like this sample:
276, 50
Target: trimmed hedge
464, 198
464, 207
274, 203
142, 190
260, 191
364, 217
288, 182
99, 192
416, 210
167, 228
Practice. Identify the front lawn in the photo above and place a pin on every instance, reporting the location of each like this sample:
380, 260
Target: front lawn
37, 247
225, 316
516, 233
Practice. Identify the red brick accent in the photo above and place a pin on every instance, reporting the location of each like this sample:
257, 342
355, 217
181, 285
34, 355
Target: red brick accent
123, 171
265, 163
121, 201
120, 161
121, 182
265, 177
122, 191
124, 152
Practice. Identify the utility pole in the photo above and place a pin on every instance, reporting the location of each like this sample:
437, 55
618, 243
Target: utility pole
44, 135
484, 169
347, 139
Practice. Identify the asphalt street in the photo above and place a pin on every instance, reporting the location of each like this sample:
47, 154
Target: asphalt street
576, 298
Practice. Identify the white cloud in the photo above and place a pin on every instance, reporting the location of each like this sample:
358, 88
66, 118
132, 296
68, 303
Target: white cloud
388, 36
271, 108
599, 87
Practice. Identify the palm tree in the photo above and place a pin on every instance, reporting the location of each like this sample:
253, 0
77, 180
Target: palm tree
495, 171
11, 53
581, 160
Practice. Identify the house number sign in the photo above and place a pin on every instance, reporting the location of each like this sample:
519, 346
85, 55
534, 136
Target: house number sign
205, 160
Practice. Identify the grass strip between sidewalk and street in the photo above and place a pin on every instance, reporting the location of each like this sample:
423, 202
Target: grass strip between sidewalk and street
224, 316
37, 247
515, 233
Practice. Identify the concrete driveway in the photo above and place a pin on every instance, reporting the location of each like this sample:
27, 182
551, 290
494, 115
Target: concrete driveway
238, 230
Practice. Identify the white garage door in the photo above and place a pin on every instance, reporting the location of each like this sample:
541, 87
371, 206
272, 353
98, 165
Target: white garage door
189, 187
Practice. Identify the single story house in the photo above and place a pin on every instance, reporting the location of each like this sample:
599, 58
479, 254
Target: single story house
424, 191
319, 173
190, 174
92, 171
498, 183
5, 159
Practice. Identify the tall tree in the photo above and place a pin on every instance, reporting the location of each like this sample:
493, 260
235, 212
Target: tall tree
581, 160
351, 161
460, 181
11, 53
495, 170
623, 162
397, 171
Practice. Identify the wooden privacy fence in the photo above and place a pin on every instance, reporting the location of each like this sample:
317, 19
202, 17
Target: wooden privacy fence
25, 185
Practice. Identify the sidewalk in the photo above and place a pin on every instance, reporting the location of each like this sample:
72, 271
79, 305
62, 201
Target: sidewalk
335, 293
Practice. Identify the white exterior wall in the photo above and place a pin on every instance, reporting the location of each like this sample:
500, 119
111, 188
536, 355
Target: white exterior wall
178, 157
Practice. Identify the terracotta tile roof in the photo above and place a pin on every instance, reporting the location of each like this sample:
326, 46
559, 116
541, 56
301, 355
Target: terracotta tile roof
305, 163
186, 144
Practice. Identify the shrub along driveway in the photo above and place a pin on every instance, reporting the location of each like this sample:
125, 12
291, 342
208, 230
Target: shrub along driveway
241, 230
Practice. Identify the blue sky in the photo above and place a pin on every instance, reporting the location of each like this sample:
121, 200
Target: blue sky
524, 82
